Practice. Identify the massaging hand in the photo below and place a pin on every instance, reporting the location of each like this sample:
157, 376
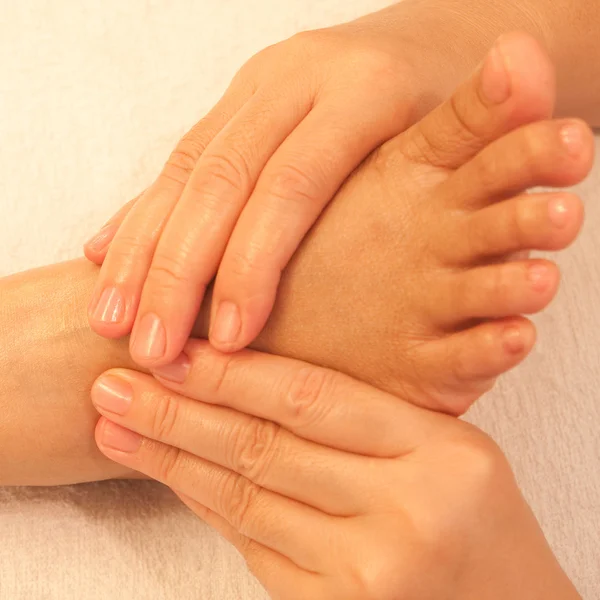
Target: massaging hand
328, 487
243, 187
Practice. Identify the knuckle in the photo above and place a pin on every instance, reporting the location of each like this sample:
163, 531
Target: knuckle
488, 169
236, 498
475, 241
169, 464
467, 131
481, 463
168, 273
219, 374
460, 365
376, 66
229, 169
295, 184
131, 246
426, 147
183, 160
519, 223
530, 145
252, 553
375, 579
253, 448
251, 268
496, 283
165, 417
310, 39
257, 63
309, 396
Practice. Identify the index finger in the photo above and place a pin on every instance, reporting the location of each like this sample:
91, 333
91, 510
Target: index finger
315, 403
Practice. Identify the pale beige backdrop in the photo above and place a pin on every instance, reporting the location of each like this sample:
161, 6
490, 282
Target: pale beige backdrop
93, 95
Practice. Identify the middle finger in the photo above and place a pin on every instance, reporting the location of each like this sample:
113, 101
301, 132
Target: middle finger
290, 528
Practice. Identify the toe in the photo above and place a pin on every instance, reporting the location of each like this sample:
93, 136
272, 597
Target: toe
543, 221
514, 86
465, 364
494, 291
556, 153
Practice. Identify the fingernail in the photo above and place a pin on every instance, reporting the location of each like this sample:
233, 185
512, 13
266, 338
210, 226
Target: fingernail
112, 394
571, 136
110, 307
513, 340
495, 81
227, 323
558, 212
176, 372
121, 439
98, 242
150, 339
538, 276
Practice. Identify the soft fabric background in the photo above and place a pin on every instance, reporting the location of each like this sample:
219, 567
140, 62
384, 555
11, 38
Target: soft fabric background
93, 96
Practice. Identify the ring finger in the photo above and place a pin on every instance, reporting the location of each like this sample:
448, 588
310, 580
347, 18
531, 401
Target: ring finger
282, 524
258, 450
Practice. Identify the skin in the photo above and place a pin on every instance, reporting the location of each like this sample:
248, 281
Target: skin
329, 488
492, 541
396, 319
244, 186
439, 319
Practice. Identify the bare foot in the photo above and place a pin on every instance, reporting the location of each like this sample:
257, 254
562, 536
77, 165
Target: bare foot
442, 210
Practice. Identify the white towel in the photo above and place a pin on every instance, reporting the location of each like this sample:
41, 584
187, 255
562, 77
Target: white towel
93, 97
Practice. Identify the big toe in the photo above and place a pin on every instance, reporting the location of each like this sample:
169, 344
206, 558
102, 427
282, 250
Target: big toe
515, 85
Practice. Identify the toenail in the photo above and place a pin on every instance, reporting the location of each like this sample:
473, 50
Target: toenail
571, 136
513, 340
495, 82
539, 276
558, 211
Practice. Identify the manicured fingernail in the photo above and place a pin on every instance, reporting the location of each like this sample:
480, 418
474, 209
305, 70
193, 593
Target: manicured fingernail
112, 394
539, 277
110, 307
118, 438
176, 372
150, 338
98, 242
227, 323
513, 340
571, 136
558, 212
495, 81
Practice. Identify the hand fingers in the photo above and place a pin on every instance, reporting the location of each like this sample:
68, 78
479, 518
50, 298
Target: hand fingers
276, 573
284, 525
116, 295
193, 241
96, 247
259, 450
318, 404
296, 184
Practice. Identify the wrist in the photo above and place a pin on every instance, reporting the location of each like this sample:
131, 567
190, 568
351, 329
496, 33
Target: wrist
509, 556
49, 359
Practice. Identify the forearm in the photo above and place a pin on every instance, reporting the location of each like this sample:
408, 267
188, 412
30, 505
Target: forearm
48, 360
456, 34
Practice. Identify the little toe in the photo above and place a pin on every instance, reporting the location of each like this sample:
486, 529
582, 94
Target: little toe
465, 365
495, 291
541, 221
